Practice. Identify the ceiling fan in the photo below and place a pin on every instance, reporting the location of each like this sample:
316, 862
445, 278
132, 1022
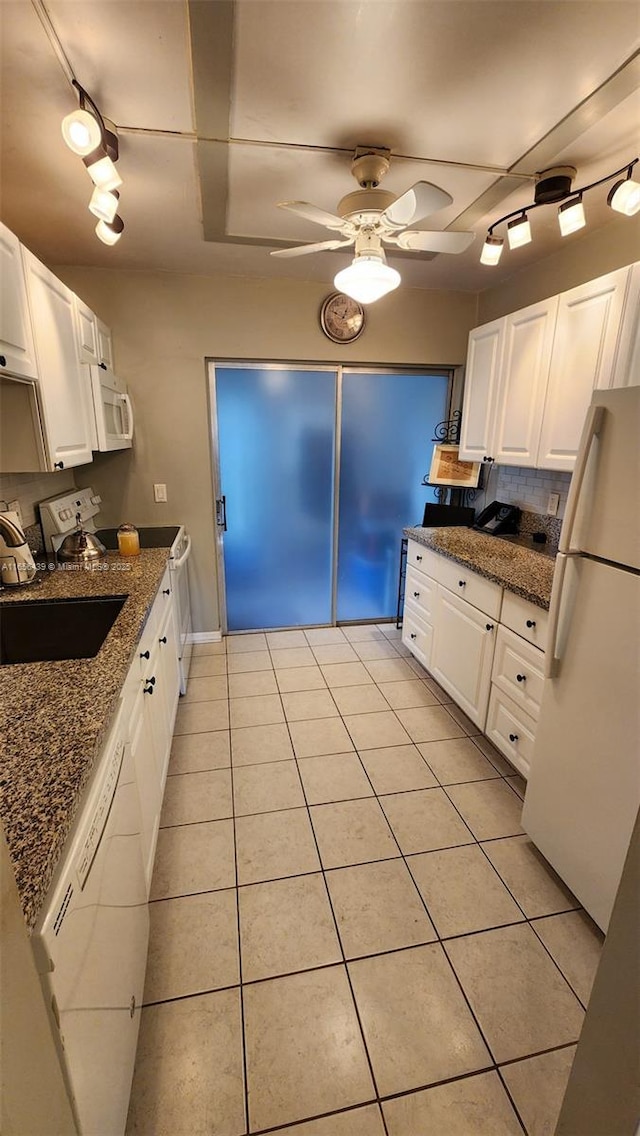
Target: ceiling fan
370, 216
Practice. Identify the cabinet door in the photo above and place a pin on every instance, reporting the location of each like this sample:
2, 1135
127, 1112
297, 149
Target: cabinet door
627, 369
64, 385
144, 760
86, 331
17, 350
583, 357
462, 653
528, 340
105, 348
484, 358
168, 671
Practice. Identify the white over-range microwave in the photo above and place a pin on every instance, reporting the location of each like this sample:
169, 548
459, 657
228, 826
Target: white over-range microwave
113, 411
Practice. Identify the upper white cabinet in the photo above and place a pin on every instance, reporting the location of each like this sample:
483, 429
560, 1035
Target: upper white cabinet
105, 346
93, 336
17, 350
627, 368
64, 388
484, 359
584, 354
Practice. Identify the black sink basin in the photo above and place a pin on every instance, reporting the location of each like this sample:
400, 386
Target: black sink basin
38, 631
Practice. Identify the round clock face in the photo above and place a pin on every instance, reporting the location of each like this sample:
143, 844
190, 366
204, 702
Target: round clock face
341, 318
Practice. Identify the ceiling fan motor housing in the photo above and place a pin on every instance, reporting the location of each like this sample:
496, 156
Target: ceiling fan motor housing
553, 184
355, 206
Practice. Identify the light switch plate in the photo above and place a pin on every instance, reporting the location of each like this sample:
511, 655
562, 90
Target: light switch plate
159, 492
553, 503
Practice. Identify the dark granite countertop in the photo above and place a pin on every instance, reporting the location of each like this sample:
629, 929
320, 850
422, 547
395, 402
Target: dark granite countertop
54, 717
519, 569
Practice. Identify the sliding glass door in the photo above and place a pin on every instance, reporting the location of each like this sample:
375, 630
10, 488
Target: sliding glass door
318, 470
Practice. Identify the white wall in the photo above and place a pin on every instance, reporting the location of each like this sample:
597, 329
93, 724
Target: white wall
166, 325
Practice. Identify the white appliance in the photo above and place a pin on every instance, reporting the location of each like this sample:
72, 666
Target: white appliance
90, 945
584, 787
58, 518
112, 408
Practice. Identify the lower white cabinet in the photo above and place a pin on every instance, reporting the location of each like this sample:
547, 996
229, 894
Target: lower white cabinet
462, 653
417, 634
511, 730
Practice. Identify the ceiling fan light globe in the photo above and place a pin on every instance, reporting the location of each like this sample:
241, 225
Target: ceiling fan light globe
625, 197
367, 279
81, 132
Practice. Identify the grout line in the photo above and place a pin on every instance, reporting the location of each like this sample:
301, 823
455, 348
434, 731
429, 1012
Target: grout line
239, 942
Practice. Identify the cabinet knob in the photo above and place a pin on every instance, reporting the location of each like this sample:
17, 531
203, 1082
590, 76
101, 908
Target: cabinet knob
163, 640
145, 655
413, 635
521, 678
531, 623
416, 594
513, 737
3, 361
462, 583
58, 465
103, 365
148, 690
166, 591
418, 558
489, 626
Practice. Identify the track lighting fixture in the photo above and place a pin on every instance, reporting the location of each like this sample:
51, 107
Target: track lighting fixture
552, 187
95, 140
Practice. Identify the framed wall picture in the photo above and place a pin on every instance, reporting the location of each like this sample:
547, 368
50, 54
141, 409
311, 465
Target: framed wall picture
447, 469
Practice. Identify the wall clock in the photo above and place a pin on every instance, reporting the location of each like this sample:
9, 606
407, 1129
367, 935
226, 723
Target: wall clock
341, 318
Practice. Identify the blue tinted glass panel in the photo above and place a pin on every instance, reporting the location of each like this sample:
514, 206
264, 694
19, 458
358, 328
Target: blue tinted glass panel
387, 429
276, 452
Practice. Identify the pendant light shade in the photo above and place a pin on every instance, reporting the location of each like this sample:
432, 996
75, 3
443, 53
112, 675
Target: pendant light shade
81, 131
104, 204
102, 170
571, 216
110, 233
519, 232
625, 197
491, 250
367, 278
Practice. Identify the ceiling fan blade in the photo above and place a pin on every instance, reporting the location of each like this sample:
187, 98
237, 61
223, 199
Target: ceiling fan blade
435, 241
313, 213
420, 201
302, 250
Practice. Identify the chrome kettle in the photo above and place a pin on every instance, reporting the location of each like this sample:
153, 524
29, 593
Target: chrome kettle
81, 547
16, 561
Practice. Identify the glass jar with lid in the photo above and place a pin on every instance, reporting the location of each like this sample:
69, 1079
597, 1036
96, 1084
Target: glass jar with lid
128, 540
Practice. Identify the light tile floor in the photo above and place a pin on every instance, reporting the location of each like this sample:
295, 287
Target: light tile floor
350, 933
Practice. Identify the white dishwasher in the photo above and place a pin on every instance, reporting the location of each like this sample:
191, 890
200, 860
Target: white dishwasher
90, 945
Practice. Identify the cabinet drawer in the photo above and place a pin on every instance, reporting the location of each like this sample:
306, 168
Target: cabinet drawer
518, 671
483, 594
149, 639
511, 730
420, 591
422, 559
525, 619
417, 634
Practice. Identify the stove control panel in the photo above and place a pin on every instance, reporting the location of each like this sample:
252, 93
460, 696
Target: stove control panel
58, 514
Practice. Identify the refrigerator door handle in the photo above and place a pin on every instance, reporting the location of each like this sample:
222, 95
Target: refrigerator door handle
592, 427
552, 657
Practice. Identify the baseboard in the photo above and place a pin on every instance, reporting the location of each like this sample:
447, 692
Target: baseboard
205, 637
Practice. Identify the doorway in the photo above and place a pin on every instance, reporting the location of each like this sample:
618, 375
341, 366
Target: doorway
316, 472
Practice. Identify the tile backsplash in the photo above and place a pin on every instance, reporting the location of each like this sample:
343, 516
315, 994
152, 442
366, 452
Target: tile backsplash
30, 488
527, 488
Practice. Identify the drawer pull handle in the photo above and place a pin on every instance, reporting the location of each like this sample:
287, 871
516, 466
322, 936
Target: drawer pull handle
462, 583
145, 655
413, 635
513, 737
166, 591
416, 594
521, 678
418, 558
531, 623
148, 690
489, 626
163, 640
152, 680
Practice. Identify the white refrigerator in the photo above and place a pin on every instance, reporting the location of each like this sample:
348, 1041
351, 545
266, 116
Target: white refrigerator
583, 793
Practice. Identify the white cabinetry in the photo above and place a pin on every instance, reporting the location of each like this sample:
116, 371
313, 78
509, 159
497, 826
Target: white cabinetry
94, 337
64, 390
17, 349
462, 653
627, 372
484, 360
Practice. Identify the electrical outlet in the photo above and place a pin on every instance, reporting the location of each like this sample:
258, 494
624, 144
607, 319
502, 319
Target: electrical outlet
159, 492
14, 507
553, 502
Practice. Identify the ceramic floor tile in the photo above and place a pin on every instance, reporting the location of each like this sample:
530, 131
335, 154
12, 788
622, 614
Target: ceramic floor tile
411, 692
300, 678
206, 665
193, 797
205, 689
365, 1121
266, 787
202, 717
377, 908
191, 753
416, 1023
396, 769
335, 653
201, 650
287, 657
575, 942
389, 630
494, 756
273, 845
456, 760
440, 693
362, 632
301, 705
389, 670
252, 745
462, 892
257, 710
282, 640
424, 820
252, 683
301, 1064
369, 731
254, 641
375, 649
490, 808
243, 661
473, 1106
365, 699
345, 674
537, 1086
319, 735
193, 858
333, 777
352, 832
461, 718
286, 926
430, 724
522, 1003
529, 877
518, 784
189, 1065
321, 636
193, 945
